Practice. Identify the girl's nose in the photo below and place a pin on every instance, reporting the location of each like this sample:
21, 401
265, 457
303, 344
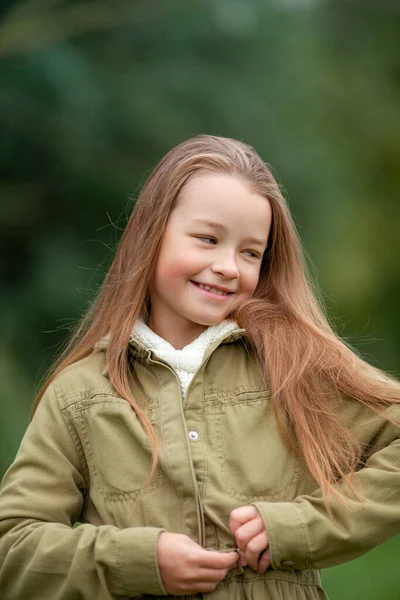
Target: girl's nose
226, 266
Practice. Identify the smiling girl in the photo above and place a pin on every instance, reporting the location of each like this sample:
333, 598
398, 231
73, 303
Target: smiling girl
210, 257
205, 425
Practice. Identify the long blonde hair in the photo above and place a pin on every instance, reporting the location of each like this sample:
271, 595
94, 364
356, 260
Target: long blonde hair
304, 360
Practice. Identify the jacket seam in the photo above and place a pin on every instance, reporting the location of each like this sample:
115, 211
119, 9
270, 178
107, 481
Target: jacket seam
123, 403
75, 397
74, 437
305, 538
204, 453
214, 393
157, 568
237, 578
237, 403
161, 423
119, 566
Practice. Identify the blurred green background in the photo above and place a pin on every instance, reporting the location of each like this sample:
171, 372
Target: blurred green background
93, 94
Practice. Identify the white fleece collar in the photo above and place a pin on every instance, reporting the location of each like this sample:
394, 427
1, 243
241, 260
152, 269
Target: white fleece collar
186, 361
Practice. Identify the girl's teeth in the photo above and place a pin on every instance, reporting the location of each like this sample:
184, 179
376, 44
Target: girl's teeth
209, 289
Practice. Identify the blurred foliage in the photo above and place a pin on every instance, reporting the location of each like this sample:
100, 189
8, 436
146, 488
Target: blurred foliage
92, 95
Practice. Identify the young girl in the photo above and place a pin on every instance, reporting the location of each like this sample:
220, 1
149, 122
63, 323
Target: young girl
205, 425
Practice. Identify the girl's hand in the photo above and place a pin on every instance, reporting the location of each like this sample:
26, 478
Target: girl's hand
187, 568
247, 526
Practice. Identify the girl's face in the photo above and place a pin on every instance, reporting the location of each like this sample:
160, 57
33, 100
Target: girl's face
210, 256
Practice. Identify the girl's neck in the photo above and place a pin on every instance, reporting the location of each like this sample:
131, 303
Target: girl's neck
178, 337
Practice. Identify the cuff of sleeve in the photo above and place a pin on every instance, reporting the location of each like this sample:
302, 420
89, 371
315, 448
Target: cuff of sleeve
287, 535
136, 562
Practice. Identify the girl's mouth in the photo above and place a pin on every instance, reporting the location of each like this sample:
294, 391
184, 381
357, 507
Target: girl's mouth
211, 292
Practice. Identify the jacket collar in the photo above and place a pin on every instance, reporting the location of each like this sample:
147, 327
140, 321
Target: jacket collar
139, 349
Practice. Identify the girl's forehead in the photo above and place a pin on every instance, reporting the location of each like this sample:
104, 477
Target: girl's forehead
210, 181
214, 191
224, 199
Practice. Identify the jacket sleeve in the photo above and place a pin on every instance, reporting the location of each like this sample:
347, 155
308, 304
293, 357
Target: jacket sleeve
301, 533
41, 555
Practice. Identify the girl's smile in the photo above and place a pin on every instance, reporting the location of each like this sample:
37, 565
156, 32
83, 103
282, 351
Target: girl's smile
218, 293
210, 256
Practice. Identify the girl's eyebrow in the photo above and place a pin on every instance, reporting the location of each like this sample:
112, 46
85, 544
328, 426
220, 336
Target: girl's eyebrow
216, 225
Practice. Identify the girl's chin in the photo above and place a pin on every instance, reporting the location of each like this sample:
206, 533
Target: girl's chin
209, 321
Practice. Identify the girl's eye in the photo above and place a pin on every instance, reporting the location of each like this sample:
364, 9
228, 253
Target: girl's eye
207, 239
252, 254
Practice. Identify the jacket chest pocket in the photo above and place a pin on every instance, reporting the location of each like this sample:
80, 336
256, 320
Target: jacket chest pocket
246, 452
118, 451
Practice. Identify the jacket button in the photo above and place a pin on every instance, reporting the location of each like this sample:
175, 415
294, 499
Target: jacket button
193, 435
287, 563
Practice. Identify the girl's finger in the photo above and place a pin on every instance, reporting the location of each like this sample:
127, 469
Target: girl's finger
264, 562
241, 515
254, 548
248, 531
212, 559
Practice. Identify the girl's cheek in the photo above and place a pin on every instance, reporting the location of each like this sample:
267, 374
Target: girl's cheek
250, 287
171, 274
184, 267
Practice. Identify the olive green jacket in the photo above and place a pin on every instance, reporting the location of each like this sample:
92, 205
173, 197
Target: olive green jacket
85, 457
